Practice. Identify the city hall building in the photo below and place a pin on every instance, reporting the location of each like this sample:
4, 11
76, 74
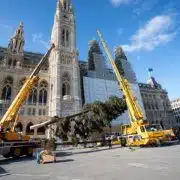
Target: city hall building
66, 83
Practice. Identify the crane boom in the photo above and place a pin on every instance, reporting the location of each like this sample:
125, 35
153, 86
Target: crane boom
139, 133
25, 90
134, 109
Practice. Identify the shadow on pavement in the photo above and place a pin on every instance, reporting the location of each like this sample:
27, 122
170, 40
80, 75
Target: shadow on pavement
62, 154
3, 172
61, 161
11, 160
95, 150
64, 160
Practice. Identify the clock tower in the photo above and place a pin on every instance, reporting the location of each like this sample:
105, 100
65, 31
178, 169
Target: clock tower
65, 97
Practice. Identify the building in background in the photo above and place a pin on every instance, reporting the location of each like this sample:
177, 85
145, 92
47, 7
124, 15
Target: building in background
15, 66
66, 84
58, 90
175, 104
65, 97
99, 82
156, 103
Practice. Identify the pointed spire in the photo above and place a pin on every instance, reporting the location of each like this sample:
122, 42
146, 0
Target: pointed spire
119, 57
93, 48
58, 5
16, 44
119, 53
65, 5
20, 31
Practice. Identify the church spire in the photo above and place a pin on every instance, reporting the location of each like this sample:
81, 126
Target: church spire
16, 44
119, 57
93, 48
65, 5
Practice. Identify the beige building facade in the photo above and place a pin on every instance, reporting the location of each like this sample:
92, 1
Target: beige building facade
157, 104
175, 104
15, 66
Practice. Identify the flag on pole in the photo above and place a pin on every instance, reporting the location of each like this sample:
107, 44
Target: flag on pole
150, 69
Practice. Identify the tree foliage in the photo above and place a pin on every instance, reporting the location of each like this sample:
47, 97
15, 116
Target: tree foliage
100, 115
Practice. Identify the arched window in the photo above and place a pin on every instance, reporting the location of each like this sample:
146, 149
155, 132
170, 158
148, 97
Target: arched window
7, 90
66, 84
67, 38
148, 106
14, 63
43, 93
6, 93
43, 96
19, 127
28, 130
9, 62
63, 90
33, 97
67, 89
65, 5
63, 37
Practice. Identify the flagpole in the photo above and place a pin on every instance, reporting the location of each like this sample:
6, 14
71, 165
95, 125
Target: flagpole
150, 70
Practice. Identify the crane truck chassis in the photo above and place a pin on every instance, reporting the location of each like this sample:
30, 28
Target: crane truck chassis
12, 143
16, 149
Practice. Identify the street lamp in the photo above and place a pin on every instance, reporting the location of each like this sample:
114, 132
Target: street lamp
1, 106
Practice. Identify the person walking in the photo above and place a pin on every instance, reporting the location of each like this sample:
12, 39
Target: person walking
109, 143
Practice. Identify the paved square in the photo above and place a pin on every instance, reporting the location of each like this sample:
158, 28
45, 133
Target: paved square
118, 163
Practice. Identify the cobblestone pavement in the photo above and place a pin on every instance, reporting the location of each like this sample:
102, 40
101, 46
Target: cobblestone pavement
99, 164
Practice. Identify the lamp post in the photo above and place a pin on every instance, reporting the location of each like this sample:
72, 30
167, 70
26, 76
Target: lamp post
1, 107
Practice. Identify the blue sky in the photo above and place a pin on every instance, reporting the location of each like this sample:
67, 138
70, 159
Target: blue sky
147, 30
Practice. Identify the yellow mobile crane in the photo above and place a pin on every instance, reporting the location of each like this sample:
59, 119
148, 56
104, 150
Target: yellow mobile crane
14, 144
139, 132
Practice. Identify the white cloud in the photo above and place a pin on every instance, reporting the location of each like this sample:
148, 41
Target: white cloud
7, 27
157, 31
144, 6
117, 3
38, 38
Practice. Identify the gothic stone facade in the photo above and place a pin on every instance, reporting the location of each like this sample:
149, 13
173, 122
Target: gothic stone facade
58, 90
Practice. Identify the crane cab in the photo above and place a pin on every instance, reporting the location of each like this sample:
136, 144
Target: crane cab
142, 135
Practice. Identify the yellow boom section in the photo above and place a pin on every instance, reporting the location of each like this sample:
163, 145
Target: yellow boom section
134, 109
13, 110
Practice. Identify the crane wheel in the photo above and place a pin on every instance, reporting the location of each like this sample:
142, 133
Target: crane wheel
16, 152
123, 142
29, 152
